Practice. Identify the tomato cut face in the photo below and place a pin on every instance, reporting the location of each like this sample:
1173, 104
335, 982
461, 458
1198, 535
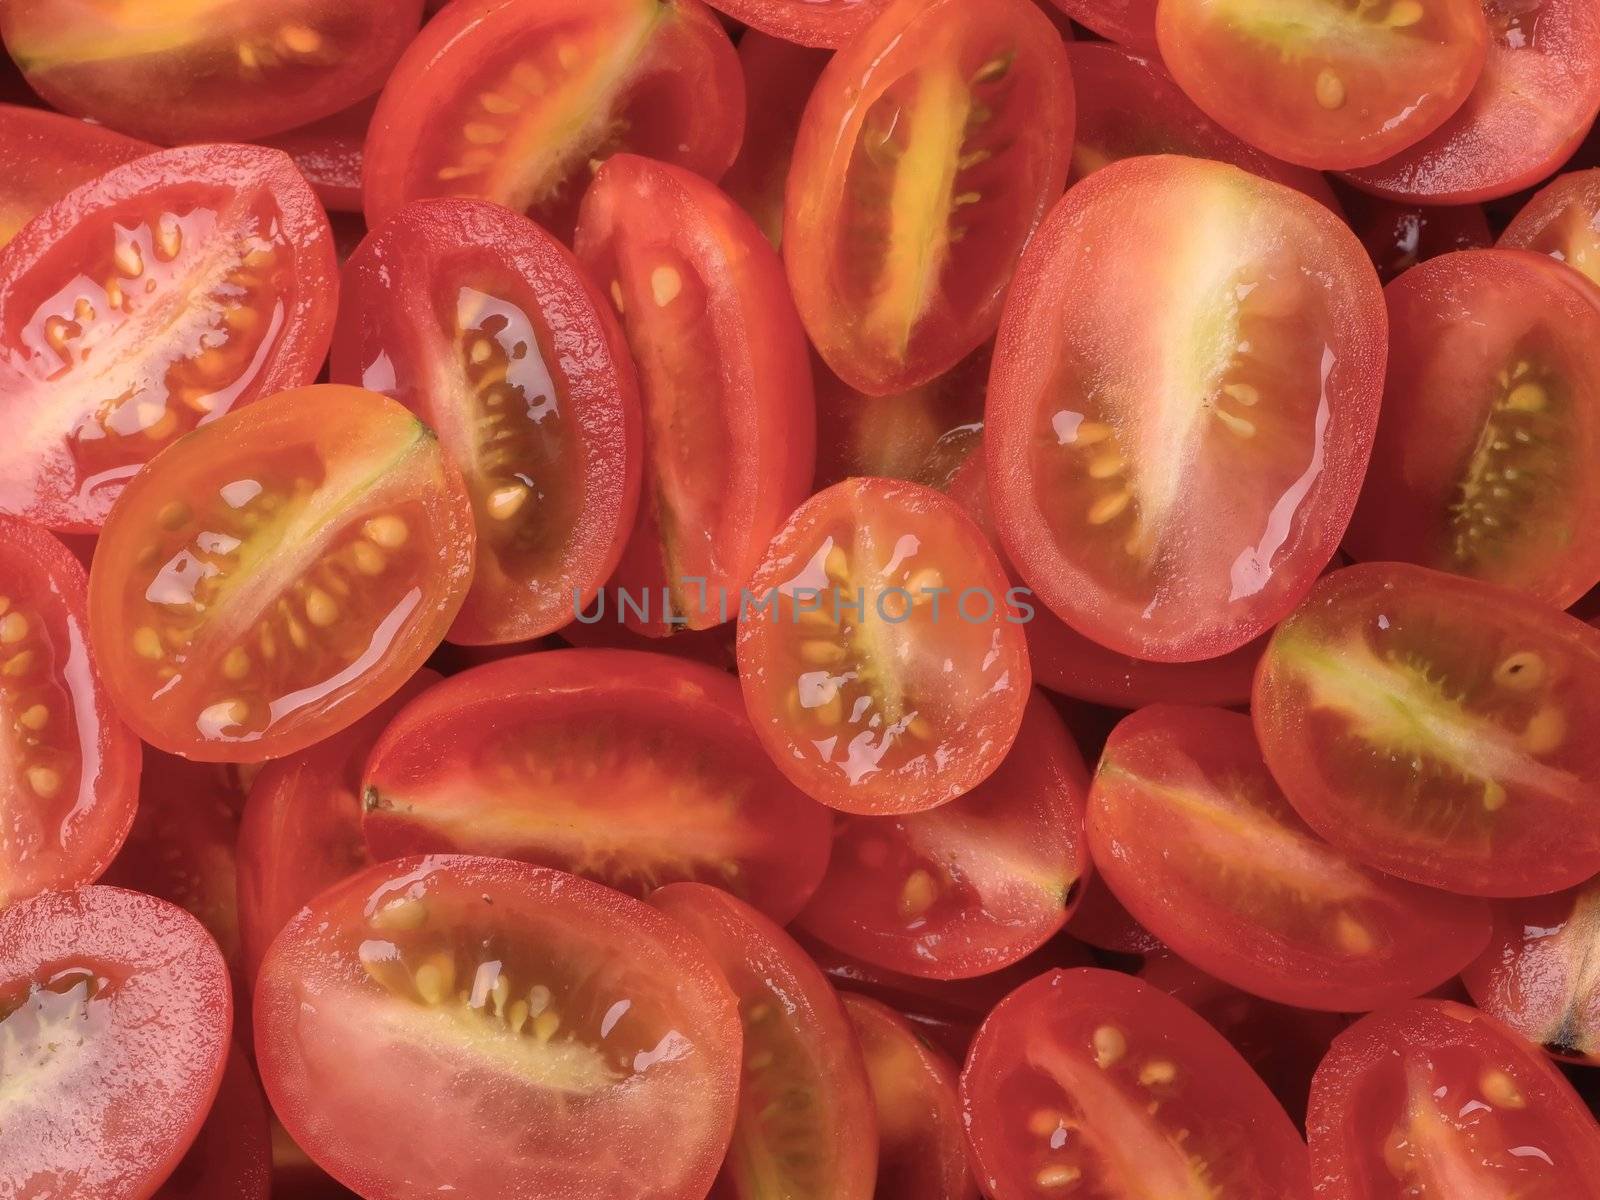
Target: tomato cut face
807, 1125
276, 575
1131, 23
1146, 384
1191, 833
44, 155
1399, 236
329, 154
534, 1007
231, 1158
1563, 221
929, 152
724, 377
115, 1014
881, 656
628, 768
815, 23
69, 767
1436, 1101
1093, 1080
484, 326
1531, 108
1432, 727
974, 885
513, 100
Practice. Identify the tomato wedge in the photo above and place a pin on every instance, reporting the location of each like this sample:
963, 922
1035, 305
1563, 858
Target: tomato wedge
231, 1158
1563, 221
1092, 1079
534, 1007
70, 780
1433, 727
807, 1124
1148, 381
816, 23
44, 155
484, 325
1438, 1101
513, 100
929, 152
629, 768
276, 575
115, 1015
724, 376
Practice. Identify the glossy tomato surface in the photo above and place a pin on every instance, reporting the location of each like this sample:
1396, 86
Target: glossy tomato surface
1180, 423
881, 654
1131, 23
1101, 921
1399, 236
484, 325
149, 301
1093, 1080
231, 1158
1563, 221
276, 575
817, 23
329, 154
930, 150
535, 1007
115, 1015
1433, 727
44, 155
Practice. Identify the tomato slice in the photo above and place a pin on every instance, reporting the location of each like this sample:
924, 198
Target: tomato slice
1093, 1080
1147, 382
929, 152
276, 575
631, 769
814, 23
1432, 726
882, 659
714, 647
150, 301
807, 1124
724, 376
1532, 107
779, 78
1101, 921
1399, 236
513, 100
484, 326
115, 1014
974, 885
69, 768
1437, 1101
1563, 221
44, 155
1131, 23
1191, 833
329, 154
534, 1007
231, 1158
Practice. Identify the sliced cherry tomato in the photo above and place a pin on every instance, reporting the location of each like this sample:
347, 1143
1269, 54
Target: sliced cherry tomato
1434, 727
1563, 221
329, 154
70, 782
1093, 1080
1491, 426
724, 376
807, 1126
1102, 922
1147, 382
1131, 23
1436, 1101
632, 769
115, 1015
1399, 236
974, 885
815, 23
1191, 833
44, 155
929, 152
484, 326
537, 1009
206, 70
1532, 107
277, 574
882, 658
231, 1158
512, 100
714, 647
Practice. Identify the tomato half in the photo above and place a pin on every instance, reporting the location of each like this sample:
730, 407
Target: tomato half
817, 23
1101, 921
70, 782
329, 154
1093, 1080
1131, 23
1532, 106
147, 302
628, 768
513, 100
881, 654
724, 377
206, 70
1399, 236
1434, 727
1563, 221
807, 1126
1181, 423
231, 1158
44, 155
930, 150
534, 1007
271, 578
115, 1015
1191, 833
484, 325
1436, 1101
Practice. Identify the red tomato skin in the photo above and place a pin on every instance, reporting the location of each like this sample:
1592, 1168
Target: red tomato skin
824, 24
1130, 23
329, 154
45, 155
231, 1158
1562, 220
1399, 236
1101, 921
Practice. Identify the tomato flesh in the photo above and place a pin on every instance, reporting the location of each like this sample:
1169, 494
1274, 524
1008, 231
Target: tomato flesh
231, 1158
1563, 221
44, 155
